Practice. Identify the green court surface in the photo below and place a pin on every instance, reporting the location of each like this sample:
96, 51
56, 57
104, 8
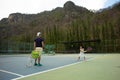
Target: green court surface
101, 67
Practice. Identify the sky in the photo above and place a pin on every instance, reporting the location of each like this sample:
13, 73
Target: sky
36, 6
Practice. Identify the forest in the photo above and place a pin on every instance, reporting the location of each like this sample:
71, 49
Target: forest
66, 28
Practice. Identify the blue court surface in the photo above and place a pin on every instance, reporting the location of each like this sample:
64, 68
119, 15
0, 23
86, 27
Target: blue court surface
14, 66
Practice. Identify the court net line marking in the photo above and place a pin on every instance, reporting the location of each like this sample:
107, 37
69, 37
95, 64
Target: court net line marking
52, 69
11, 73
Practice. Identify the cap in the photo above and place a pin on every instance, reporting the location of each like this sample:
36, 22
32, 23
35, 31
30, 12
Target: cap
38, 34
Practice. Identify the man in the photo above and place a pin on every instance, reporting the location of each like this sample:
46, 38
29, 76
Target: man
38, 46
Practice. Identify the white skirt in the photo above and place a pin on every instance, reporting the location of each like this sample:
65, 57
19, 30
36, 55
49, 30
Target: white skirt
82, 54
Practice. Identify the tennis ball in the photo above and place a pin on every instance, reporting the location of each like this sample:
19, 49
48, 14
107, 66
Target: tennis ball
35, 54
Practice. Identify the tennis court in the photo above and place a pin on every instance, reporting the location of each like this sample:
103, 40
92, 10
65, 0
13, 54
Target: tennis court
101, 67
14, 66
61, 67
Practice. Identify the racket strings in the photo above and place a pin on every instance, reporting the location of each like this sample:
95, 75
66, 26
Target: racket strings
30, 62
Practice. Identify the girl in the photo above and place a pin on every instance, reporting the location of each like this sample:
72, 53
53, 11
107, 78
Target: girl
82, 51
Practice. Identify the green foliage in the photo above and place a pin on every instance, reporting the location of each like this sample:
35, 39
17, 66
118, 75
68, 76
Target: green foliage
67, 24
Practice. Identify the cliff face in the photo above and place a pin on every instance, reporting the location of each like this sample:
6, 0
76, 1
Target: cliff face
69, 8
18, 24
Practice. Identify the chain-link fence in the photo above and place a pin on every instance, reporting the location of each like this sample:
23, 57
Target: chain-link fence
109, 46
23, 47
105, 46
15, 47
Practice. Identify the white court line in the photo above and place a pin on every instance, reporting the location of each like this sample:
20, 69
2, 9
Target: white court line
11, 73
52, 69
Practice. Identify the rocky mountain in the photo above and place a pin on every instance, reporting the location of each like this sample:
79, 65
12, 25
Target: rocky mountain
18, 24
67, 23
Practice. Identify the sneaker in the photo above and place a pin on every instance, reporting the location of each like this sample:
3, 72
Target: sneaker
35, 64
39, 64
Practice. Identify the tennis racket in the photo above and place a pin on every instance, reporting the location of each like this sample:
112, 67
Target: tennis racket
89, 49
30, 62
